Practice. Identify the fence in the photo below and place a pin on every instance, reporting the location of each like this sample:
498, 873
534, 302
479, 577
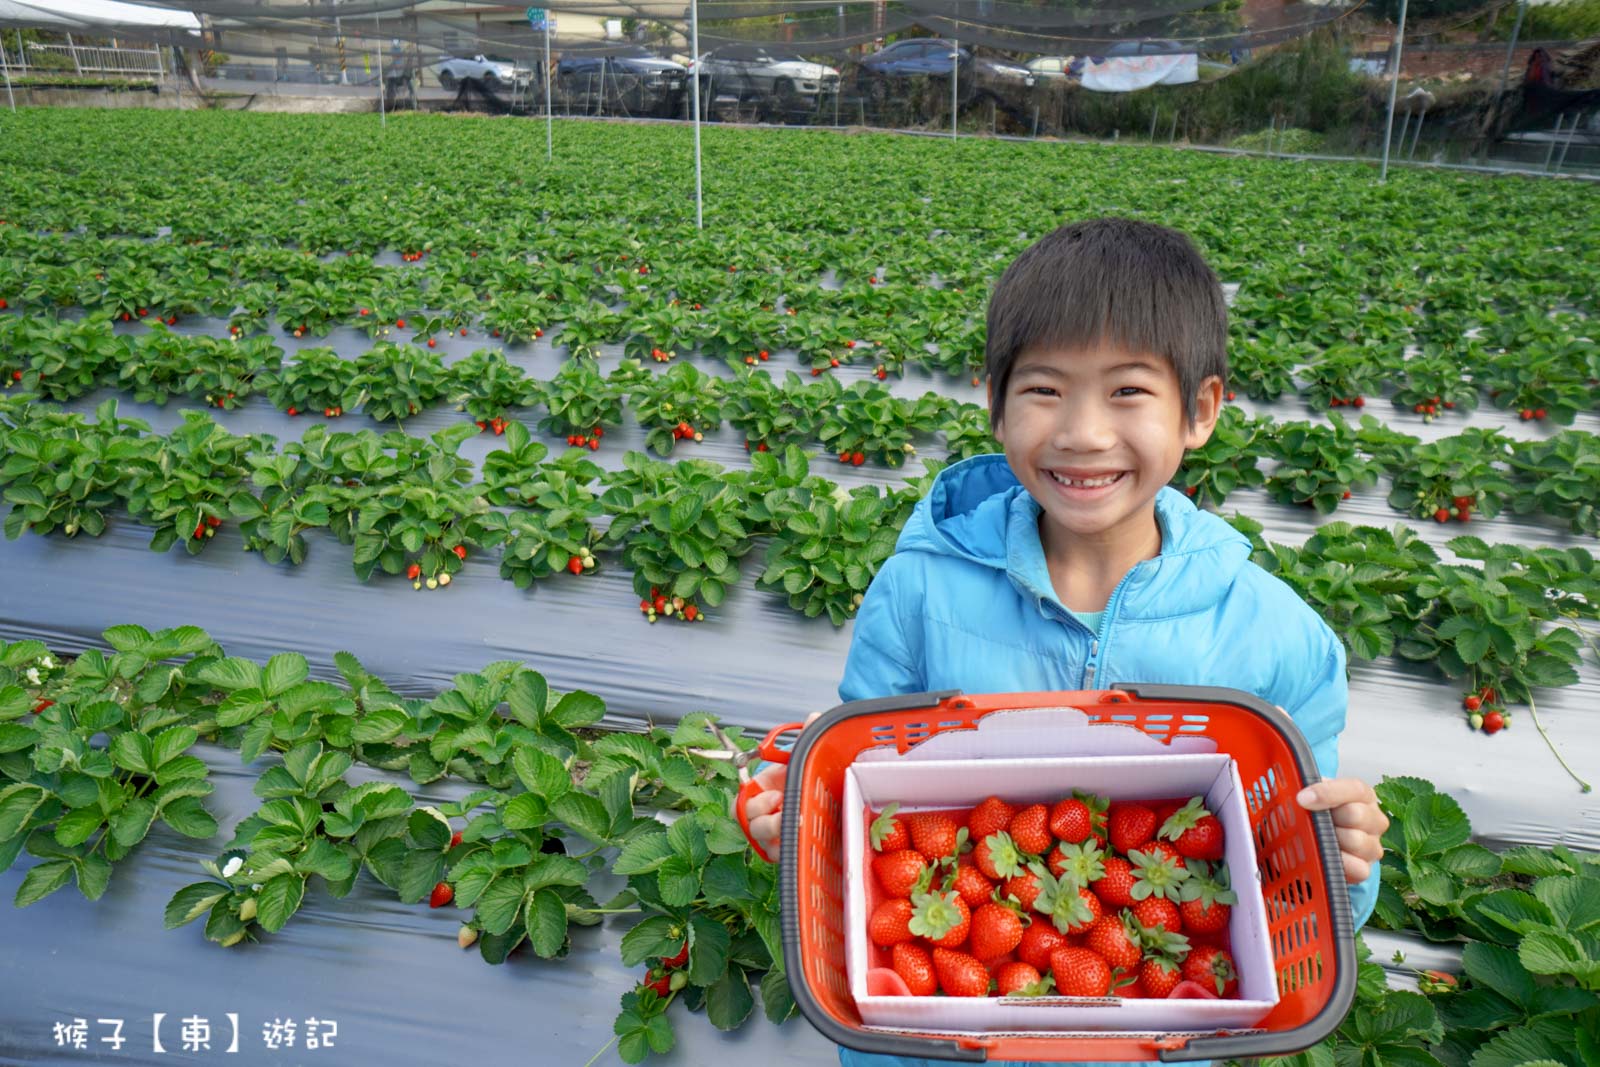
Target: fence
95, 59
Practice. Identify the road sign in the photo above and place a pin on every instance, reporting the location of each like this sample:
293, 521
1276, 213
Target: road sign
535, 14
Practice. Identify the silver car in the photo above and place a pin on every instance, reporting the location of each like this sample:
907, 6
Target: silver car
494, 72
765, 70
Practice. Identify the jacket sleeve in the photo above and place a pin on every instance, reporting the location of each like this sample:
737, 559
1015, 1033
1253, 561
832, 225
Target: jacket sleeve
885, 654
1318, 706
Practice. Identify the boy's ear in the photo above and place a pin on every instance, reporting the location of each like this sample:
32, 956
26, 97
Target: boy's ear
1207, 409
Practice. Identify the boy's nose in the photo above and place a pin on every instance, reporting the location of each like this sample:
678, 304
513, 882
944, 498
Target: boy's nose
1083, 429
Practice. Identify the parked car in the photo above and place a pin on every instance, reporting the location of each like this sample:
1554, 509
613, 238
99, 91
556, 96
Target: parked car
635, 79
932, 57
766, 70
493, 71
1053, 68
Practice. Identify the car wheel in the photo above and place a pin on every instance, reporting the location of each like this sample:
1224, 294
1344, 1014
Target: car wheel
491, 80
784, 95
447, 80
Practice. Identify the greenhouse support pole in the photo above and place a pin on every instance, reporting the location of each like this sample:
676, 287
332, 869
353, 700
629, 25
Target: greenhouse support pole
1416, 134
1155, 113
6, 67
1394, 87
1555, 135
694, 89
1516, 28
955, 70
338, 36
383, 88
1562, 159
549, 120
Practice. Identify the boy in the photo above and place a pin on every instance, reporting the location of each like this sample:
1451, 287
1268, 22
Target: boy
1068, 563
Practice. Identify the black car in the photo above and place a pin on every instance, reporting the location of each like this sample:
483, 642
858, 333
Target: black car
633, 79
932, 57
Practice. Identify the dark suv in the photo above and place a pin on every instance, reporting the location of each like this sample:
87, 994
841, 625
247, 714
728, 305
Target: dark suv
931, 57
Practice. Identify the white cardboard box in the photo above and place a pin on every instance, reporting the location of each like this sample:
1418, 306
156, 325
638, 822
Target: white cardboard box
1041, 755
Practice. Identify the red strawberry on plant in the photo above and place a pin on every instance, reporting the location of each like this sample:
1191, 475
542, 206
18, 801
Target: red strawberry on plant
996, 930
414, 571
1039, 941
1494, 722
1194, 831
1159, 975
991, 816
960, 975
1212, 968
1080, 972
915, 967
891, 923
1077, 818
1030, 830
1116, 938
460, 551
1019, 979
943, 918
442, 894
897, 872
1131, 826
1207, 900
656, 980
575, 564
1115, 886
677, 959
455, 839
935, 834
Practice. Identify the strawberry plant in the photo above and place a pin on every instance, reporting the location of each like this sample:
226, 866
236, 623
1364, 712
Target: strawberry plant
319, 380
660, 331
560, 535
398, 381
761, 411
581, 401
1228, 460
1318, 466
682, 530
311, 305
1431, 383
515, 317
68, 476
487, 385
511, 471
590, 324
160, 362
1538, 385
1558, 477
682, 404
967, 434
824, 556
1454, 478
183, 484
63, 359
1345, 375
1264, 369
870, 423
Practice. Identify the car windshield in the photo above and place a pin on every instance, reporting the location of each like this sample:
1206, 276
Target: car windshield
499, 59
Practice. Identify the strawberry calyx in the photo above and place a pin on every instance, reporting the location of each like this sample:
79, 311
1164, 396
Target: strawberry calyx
1208, 885
1156, 874
882, 826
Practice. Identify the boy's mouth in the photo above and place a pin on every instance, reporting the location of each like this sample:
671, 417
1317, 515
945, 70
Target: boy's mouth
1086, 481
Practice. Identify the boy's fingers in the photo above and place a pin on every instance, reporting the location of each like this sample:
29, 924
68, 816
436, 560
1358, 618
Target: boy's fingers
1336, 792
773, 776
765, 829
768, 803
1360, 844
1356, 870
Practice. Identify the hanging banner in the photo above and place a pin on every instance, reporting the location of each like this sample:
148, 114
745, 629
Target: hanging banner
1125, 74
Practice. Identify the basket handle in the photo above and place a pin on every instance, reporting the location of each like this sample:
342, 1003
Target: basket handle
769, 751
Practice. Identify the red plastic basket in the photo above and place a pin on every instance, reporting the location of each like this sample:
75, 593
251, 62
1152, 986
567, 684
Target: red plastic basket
1302, 877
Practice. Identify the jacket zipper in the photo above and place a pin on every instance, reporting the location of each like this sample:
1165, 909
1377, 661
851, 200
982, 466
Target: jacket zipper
1105, 622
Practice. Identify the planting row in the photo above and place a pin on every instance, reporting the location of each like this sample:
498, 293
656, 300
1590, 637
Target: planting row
96, 751
1506, 621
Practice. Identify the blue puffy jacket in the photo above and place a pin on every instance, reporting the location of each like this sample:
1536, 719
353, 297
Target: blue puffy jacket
966, 602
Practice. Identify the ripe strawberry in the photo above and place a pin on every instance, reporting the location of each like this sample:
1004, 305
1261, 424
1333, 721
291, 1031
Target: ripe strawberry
1080, 864
934, 834
657, 981
43, 705
1441, 514
691, 612
1212, 967
1019, 979
974, 888
915, 967
1030, 829
442, 894
997, 856
1207, 899
996, 930
1071, 907
1159, 912
1115, 886
1131, 826
575, 564
1024, 887
990, 816
413, 571
1166, 848
1494, 722
1074, 819
1154, 875
432, 343
897, 872
1117, 939
1080, 972
1194, 831
460, 551
1159, 975
891, 923
858, 458
1039, 940
943, 918
1472, 703
960, 975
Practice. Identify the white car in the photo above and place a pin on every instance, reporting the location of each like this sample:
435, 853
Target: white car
751, 69
1054, 68
492, 71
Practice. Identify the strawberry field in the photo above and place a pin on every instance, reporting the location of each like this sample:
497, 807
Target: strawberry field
387, 510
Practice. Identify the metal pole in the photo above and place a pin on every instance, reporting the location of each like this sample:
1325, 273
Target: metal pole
1568, 142
338, 33
6, 67
955, 65
1417, 134
1154, 114
1035, 120
22, 54
1505, 72
1555, 135
1394, 87
694, 50
836, 94
1405, 125
383, 88
549, 118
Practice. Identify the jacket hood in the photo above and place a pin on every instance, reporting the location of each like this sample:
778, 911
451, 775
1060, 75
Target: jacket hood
978, 511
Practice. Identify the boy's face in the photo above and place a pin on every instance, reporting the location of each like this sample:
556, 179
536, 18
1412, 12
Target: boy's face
1093, 435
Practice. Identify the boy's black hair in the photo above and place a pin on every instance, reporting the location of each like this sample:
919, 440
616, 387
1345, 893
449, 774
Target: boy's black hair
1141, 286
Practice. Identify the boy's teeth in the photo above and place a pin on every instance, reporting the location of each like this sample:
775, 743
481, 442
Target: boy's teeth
1085, 483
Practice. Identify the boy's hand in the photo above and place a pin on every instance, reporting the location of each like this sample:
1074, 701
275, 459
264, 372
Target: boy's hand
765, 809
1357, 819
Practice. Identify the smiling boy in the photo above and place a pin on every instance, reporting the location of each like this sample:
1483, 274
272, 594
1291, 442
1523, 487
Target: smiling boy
1069, 563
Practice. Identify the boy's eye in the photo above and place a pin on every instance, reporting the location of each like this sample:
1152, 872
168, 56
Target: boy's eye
1128, 389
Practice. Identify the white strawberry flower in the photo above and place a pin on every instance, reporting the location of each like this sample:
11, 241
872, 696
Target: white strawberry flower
231, 868
32, 674
47, 663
